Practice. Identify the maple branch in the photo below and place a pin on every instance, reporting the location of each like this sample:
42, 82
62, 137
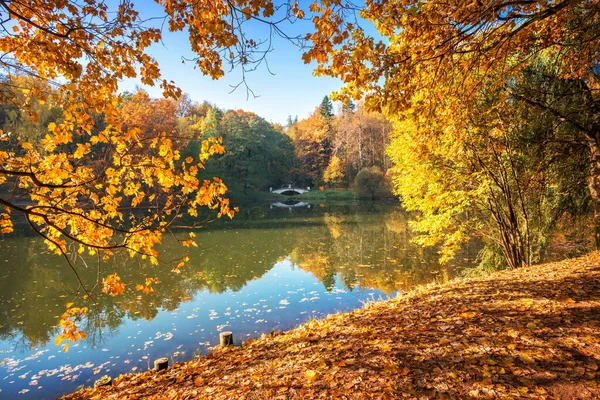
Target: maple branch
94, 221
28, 213
58, 246
39, 183
30, 21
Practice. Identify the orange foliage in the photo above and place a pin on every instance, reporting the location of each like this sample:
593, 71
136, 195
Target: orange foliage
150, 116
147, 286
70, 331
113, 285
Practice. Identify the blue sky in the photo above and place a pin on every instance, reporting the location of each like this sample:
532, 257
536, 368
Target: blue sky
292, 90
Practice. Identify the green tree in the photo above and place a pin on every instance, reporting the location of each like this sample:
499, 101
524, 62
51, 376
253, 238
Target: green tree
258, 154
369, 181
326, 108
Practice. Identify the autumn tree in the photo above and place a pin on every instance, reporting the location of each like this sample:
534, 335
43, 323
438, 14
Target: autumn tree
503, 175
333, 173
311, 138
149, 116
83, 49
333, 148
361, 138
437, 60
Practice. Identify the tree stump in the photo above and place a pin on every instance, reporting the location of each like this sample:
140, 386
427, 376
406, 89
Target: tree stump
104, 381
161, 363
226, 338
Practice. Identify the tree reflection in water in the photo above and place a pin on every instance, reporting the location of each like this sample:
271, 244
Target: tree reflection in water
361, 245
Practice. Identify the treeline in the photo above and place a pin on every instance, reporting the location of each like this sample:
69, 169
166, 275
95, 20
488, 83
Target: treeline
258, 153
326, 149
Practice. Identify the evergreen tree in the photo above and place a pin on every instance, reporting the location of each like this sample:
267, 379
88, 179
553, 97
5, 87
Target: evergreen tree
326, 108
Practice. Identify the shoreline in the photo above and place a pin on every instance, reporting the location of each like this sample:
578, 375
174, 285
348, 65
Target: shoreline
526, 333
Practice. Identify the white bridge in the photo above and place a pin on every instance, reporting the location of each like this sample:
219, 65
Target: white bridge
299, 204
290, 189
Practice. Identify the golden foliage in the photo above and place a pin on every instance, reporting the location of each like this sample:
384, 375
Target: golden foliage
113, 285
70, 331
426, 51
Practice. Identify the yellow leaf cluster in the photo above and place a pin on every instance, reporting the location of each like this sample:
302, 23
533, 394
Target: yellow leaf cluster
70, 330
112, 285
147, 286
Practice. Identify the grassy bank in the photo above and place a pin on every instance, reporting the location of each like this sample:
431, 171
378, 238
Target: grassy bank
342, 194
330, 194
254, 196
527, 333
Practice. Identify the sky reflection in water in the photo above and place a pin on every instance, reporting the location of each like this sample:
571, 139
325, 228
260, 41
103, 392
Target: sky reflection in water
269, 269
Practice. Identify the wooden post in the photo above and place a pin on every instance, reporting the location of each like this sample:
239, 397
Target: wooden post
161, 363
226, 338
104, 381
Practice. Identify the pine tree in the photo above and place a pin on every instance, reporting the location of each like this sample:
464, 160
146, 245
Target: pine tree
326, 108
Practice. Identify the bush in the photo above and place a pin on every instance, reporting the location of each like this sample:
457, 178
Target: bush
369, 181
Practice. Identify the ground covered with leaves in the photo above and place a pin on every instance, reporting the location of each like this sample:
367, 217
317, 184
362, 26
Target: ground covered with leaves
526, 333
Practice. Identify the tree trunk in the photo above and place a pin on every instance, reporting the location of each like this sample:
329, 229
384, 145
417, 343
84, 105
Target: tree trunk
594, 187
359, 146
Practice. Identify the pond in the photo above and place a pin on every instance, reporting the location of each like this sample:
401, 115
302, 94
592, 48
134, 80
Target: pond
272, 268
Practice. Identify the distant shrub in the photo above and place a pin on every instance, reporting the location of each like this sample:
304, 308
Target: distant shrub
369, 181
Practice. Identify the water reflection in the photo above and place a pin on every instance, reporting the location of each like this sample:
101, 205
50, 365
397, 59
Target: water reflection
290, 204
231, 278
369, 248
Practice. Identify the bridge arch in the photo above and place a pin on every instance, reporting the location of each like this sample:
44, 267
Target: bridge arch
290, 190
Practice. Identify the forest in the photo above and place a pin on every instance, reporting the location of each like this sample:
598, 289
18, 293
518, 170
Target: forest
326, 149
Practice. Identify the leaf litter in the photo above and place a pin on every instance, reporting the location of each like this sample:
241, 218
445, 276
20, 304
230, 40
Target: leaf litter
526, 333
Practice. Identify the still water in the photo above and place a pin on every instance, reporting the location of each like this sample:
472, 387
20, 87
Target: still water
271, 268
